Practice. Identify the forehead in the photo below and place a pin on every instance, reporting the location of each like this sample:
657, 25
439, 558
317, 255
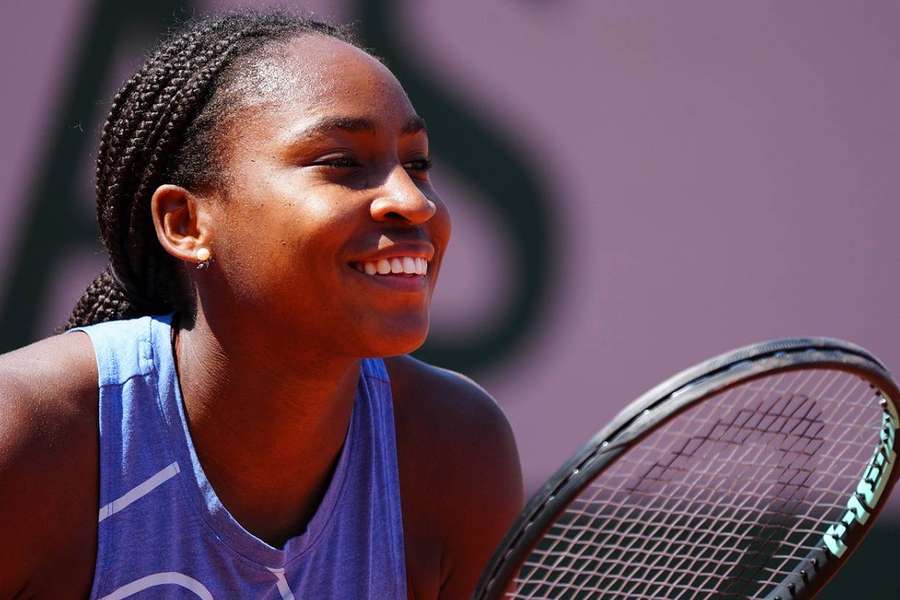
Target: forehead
310, 76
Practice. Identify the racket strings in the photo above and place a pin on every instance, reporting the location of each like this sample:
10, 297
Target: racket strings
674, 511
694, 541
724, 513
670, 509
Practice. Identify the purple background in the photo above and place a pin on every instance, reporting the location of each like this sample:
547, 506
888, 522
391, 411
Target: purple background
721, 173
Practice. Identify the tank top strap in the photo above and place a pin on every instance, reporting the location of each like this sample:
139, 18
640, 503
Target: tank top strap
374, 368
133, 457
123, 349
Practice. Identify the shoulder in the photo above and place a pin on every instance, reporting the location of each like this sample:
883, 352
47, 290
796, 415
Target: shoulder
433, 393
48, 458
450, 413
456, 443
47, 385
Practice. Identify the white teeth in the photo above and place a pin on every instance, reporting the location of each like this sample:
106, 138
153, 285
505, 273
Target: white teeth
410, 265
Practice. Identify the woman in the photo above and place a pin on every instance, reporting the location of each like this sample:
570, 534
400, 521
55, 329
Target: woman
264, 198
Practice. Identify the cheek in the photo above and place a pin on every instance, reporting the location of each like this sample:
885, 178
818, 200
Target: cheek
282, 244
441, 228
440, 224
445, 224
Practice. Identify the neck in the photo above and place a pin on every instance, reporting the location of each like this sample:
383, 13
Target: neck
268, 424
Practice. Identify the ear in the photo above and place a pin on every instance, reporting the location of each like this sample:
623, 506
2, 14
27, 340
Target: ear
182, 222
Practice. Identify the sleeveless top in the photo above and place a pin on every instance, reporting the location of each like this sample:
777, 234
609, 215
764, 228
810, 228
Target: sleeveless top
163, 529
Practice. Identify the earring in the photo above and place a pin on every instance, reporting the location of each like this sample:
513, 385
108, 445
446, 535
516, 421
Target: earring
203, 255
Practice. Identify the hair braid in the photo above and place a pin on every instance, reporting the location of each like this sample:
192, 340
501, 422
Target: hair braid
153, 71
162, 138
162, 127
129, 123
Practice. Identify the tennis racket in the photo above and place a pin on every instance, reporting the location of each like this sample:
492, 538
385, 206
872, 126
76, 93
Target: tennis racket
752, 475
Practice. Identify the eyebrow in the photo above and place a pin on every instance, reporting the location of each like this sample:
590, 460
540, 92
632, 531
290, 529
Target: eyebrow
414, 125
354, 125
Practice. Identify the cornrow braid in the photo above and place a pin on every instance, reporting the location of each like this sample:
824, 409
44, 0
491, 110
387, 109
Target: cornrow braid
150, 74
122, 124
164, 126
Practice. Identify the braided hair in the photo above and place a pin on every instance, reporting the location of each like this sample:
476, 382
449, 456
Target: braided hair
165, 126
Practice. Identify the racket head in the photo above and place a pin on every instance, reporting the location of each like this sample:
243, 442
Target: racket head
838, 533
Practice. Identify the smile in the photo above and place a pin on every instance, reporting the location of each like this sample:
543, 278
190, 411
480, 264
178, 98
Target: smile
398, 265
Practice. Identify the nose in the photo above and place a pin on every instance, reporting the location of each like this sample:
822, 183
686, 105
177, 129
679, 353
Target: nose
401, 199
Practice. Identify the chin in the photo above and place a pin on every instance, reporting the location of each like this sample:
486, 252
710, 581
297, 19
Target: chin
393, 341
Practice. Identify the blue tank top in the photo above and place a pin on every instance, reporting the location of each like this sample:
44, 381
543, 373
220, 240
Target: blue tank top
163, 529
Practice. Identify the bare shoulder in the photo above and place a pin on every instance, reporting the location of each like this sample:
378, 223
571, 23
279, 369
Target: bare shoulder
48, 462
458, 415
49, 384
456, 445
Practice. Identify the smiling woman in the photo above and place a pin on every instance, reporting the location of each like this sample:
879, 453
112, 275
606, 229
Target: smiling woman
274, 241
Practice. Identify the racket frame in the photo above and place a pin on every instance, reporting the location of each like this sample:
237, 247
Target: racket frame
664, 402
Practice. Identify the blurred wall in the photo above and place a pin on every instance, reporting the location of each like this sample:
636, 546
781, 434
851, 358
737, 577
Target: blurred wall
635, 186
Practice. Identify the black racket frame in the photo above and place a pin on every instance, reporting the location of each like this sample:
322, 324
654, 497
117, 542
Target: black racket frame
664, 402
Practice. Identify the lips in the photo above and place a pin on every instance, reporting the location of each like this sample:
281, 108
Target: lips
401, 268
409, 259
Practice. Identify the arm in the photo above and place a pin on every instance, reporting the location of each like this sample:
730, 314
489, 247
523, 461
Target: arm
457, 445
48, 469
484, 492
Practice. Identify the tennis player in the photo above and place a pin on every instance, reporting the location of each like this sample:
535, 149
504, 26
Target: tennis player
273, 237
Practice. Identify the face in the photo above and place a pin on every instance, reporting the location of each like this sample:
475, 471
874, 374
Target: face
328, 231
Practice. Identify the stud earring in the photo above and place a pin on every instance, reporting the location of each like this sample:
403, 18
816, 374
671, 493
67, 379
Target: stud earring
203, 255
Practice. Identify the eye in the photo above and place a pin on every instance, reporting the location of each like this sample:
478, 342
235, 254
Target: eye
421, 164
337, 162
